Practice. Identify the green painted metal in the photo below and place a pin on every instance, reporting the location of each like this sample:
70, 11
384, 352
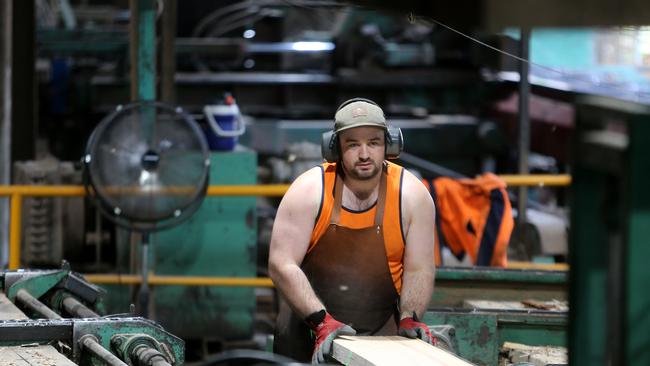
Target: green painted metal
637, 321
110, 333
125, 345
36, 285
130, 328
69, 42
49, 286
589, 269
610, 230
479, 336
475, 335
536, 330
220, 239
146, 50
455, 285
501, 275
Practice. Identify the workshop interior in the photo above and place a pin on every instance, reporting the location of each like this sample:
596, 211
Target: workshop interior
529, 122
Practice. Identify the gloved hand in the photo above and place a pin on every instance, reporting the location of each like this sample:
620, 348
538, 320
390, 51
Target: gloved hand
325, 331
410, 327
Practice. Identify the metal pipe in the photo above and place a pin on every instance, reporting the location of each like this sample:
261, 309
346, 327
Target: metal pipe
168, 53
79, 191
143, 49
524, 127
90, 343
16, 204
148, 356
35, 190
133, 47
432, 167
277, 190
98, 236
143, 292
5, 124
262, 189
32, 303
74, 307
155, 280
560, 180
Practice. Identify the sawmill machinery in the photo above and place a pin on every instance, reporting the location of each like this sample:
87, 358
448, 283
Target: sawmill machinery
53, 317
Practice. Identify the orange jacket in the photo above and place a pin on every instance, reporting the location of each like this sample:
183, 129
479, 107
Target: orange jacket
474, 217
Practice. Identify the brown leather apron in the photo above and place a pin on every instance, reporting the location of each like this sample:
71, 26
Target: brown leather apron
348, 270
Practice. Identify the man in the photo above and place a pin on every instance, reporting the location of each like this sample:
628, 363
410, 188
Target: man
352, 249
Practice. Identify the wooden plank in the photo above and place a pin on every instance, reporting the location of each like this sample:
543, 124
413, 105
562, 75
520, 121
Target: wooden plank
390, 351
537, 355
494, 305
553, 305
9, 311
32, 356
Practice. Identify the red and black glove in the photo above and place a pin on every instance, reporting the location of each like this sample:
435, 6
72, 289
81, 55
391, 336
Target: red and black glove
410, 327
325, 329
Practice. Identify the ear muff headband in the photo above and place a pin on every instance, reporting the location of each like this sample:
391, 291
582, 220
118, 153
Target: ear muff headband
350, 101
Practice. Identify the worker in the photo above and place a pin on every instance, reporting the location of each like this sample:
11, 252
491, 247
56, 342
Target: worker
352, 249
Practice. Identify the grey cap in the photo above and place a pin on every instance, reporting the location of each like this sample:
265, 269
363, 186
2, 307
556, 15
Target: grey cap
357, 114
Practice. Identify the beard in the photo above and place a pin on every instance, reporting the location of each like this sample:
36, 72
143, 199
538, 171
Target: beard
363, 174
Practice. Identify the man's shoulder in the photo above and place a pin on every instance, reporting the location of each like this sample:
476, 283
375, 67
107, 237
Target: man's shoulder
413, 190
309, 176
308, 184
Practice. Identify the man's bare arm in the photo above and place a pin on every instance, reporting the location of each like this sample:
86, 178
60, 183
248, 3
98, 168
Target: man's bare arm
292, 230
419, 261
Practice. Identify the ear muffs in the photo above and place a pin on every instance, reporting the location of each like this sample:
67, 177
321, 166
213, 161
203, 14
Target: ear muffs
330, 145
394, 143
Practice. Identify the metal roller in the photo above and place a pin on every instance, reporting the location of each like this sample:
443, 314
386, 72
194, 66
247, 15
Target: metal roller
33, 304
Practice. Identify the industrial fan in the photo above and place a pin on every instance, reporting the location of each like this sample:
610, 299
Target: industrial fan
146, 167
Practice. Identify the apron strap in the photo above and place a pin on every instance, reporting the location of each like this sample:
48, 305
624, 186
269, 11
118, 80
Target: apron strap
381, 199
338, 197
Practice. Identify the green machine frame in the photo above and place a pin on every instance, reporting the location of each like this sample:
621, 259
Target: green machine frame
610, 236
219, 240
479, 334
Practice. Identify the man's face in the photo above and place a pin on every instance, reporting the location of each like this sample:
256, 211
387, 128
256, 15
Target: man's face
362, 151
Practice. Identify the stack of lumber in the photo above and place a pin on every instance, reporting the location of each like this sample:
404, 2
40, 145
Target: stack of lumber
536, 355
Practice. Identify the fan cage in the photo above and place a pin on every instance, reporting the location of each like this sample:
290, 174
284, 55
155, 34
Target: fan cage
124, 219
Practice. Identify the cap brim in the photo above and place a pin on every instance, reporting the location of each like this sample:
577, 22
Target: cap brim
364, 124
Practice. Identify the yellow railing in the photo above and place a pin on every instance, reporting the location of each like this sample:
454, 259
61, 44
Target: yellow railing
539, 180
16, 193
158, 280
